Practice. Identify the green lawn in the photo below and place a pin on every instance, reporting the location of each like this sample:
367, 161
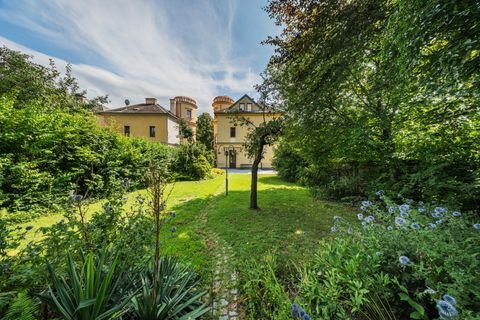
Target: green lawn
290, 222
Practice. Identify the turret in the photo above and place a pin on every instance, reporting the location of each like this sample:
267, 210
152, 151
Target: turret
221, 103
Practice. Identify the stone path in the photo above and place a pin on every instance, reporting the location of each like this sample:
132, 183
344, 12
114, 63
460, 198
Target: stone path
225, 292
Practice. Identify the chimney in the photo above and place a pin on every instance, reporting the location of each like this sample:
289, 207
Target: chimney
150, 100
173, 106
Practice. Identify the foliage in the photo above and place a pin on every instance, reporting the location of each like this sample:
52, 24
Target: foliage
389, 99
177, 293
205, 130
288, 162
409, 255
186, 133
88, 293
193, 161
22, 307
266, 298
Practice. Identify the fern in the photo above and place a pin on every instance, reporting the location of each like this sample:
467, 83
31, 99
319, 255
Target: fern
22, 308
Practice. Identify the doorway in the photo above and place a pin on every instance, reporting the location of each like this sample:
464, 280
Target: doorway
232, 159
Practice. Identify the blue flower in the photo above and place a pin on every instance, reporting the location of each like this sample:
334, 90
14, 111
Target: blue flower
439, 221
306, 317
389, 228
174, 229
369, 219
403, 214
78, 197
456, 213
432, 225
301, 312
294, 311
365, 204
415, 226
379, 192
436, 214
173, 214
404, 208
333, 229
409, 201
440, 210
449, 299
420, 203
360, 216
404, 260
400, 221
364, 224
391, 209
446, 310
349, 230
476, 226
378, 253
421, 210
28, 228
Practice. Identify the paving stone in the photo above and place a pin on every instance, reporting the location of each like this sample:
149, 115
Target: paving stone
223, 318
234, 291
233, 313
234, 297
223, 302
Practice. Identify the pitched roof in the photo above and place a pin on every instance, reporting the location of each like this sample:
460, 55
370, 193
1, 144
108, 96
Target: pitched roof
142, 108
232, 109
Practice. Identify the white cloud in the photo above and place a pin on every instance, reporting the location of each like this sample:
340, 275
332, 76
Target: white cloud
135, 49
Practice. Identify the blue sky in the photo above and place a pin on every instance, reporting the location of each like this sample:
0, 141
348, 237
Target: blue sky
136, 49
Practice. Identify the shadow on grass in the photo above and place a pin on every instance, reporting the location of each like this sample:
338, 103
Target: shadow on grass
274, 180
289, 224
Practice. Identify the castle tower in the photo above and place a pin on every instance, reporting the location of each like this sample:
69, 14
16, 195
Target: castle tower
185, 108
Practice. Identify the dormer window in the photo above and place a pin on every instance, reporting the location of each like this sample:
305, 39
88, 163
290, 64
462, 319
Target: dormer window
242, 106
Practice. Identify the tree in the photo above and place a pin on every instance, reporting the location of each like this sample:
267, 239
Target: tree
205, 130
264, 134
186, 133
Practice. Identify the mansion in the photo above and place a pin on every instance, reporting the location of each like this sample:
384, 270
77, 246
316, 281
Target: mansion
151, 121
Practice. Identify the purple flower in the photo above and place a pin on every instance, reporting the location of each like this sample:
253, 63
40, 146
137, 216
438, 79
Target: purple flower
404, 208
476, 226
415, 226
456, 213
432, 225
421, 210
78, 197
360, 216
404, 260
369, 219
28, 228
350, 230
403, 214
391, 209
379, 192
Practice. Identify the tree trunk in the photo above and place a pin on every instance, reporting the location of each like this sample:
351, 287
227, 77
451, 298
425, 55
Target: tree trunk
253, 187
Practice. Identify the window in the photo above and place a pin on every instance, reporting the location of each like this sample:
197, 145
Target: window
189, 114
249, 107
242, 106
126, 131
152, 131
233, 132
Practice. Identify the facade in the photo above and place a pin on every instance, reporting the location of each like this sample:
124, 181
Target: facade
147, 120
229, 138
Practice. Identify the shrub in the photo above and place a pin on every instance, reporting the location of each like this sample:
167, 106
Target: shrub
407, 257
193, 161
288, 162
178, 295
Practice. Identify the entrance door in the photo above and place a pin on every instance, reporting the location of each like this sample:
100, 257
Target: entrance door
233, 159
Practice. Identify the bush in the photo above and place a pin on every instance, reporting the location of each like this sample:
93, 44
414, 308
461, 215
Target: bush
288, 162
403, 256
193, 161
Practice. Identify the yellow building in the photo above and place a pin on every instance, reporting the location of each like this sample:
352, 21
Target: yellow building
229, 138
150, 120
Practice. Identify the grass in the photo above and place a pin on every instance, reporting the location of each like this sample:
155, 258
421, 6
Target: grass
289, 224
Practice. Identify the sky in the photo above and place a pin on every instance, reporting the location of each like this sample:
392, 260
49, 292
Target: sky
146, 48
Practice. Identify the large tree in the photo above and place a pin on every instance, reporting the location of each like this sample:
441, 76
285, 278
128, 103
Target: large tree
384, 88
205, 130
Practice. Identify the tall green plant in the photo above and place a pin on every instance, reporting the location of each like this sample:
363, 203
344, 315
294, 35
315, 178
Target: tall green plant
86, 294
177, 293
